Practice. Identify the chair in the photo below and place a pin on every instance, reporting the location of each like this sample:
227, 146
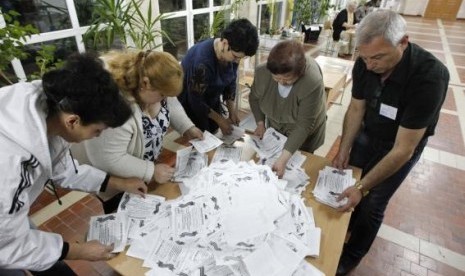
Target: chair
329, 48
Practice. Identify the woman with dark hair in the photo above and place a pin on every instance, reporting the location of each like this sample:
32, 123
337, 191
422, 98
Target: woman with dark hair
39, 119
288, 95
210, 69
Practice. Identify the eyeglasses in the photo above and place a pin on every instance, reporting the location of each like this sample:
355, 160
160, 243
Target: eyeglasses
237, 56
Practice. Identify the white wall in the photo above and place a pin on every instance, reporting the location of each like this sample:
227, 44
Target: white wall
418, 7
461, 13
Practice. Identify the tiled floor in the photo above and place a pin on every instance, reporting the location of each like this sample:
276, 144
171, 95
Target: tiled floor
424, 227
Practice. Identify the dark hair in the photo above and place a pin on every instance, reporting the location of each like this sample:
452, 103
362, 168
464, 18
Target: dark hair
286, 57
242, 36
83, 87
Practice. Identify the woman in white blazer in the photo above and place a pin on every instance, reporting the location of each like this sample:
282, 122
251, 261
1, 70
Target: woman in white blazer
150, 80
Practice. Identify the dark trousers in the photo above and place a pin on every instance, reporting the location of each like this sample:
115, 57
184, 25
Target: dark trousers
369, 213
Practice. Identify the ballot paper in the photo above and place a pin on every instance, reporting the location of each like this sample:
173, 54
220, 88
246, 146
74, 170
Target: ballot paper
330, 184
109, 229
233, 219
188, 163
297, 179
209, 142
226, 153
271, 144
235, 135
139, 210
270, 147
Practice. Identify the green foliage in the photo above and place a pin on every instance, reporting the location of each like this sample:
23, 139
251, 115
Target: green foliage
221, 19
311, 11
12, 39
46, 61
144, 31
114, 20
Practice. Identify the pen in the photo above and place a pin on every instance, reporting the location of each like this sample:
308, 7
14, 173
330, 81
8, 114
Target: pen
334, 193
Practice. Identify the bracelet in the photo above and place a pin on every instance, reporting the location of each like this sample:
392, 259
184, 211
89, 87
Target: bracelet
359, 186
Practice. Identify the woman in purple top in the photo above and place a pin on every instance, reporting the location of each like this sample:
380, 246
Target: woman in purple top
210, 72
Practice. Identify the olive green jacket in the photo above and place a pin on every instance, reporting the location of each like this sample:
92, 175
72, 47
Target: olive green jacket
301, 116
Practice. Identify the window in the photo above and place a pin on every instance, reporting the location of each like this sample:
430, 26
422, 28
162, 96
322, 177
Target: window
63, 22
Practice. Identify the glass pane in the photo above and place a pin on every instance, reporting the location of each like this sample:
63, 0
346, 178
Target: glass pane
63, 48
101, 45
271, 18
201, 27
9, 76
264, 19
45, 15
176, 30
171, 5
84, 11
198, 4
220, 2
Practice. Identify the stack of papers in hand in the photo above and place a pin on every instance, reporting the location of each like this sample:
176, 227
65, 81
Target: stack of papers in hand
232, 219
209, 142
330, 184
270, 146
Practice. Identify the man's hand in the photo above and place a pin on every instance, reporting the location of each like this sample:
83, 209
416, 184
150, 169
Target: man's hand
260, 130
353, 196
131, 185
193, 133
163, 173
341, 160
90, 251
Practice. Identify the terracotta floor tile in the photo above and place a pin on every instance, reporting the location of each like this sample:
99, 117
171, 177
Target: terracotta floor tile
448, 136
419, 29
449, 102
459, 60
439, 55
45, 198
427, 37
457, 48
430, 45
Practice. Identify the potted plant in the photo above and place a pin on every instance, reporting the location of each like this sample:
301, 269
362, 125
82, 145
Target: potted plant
119, 21
309, 15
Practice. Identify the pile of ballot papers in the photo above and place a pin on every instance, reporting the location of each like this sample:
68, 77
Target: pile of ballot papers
233, 218
330, 184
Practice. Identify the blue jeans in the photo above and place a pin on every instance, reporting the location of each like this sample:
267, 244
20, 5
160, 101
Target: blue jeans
369, 213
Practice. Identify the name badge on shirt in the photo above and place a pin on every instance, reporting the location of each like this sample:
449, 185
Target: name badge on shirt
388, 111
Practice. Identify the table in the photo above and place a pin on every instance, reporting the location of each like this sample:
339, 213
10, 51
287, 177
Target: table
337, 74
333, 224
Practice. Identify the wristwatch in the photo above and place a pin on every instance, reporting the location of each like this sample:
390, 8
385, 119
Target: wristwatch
359, 186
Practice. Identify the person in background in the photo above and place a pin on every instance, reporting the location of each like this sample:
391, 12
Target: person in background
210, 69
362, 11
150, 80
289, 94
345, 20
397, 94
39, 120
